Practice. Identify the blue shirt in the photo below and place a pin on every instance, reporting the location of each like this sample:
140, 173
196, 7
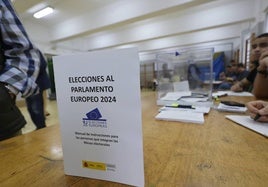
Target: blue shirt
22, 58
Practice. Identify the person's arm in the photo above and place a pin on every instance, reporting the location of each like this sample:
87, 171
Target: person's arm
239, 86
21, 57
260, 89
222, 76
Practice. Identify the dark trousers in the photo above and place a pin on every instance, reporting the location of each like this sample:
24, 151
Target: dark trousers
11, 135
35, 106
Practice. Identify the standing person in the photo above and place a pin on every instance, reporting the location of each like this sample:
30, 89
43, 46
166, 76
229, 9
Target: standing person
19, 70
194, 76
166, 72
35, 103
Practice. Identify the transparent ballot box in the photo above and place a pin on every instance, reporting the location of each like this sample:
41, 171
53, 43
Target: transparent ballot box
185, 77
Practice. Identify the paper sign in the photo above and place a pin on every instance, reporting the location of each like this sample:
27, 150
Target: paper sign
98, 96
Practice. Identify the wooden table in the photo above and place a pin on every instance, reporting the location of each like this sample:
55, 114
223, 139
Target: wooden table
218, 153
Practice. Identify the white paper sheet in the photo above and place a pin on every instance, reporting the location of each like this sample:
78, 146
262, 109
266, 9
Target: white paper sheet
174, 96
181, 86
193, 99
199, 109
246, 121
231, 93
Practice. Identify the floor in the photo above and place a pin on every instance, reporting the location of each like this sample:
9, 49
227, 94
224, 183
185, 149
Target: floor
51, 119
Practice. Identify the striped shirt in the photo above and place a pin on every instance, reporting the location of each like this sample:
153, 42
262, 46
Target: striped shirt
22, 58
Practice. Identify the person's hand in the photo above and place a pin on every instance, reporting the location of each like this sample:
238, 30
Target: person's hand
13, 96
258, 107
263, 61
237, 87
230, 79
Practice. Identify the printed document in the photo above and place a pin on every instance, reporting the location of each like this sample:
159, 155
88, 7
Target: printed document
98, 96
246, 121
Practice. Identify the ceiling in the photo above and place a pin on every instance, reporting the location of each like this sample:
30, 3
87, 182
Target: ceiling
150, 25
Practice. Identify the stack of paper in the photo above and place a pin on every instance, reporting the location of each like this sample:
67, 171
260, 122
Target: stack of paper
199, 109
184, 106
227, 108
183, 116
174, 96
231, 93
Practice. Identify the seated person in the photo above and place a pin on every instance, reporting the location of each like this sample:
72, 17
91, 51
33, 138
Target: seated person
230, 77
259, 46
227, 73
260, 89
241, 72
246, 83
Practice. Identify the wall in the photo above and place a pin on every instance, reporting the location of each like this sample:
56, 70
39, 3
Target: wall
205, 31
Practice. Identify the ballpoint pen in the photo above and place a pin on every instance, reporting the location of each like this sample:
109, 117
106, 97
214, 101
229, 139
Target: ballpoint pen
218, 96
182, 106
257, 117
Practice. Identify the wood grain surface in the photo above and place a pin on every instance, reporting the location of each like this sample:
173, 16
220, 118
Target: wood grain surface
217, 153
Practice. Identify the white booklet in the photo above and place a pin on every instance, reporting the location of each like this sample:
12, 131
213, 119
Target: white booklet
182, 116
227, 108
98, 96
246, 121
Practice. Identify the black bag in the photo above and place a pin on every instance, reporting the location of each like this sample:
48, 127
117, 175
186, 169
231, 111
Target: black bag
11, 119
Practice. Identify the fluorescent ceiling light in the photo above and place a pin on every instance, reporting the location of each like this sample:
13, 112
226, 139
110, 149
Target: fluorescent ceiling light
43, 12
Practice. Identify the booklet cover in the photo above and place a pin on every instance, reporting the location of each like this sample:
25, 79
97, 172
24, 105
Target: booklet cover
98, 97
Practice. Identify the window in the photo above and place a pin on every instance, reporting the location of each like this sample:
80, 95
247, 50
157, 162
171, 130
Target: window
247, 51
